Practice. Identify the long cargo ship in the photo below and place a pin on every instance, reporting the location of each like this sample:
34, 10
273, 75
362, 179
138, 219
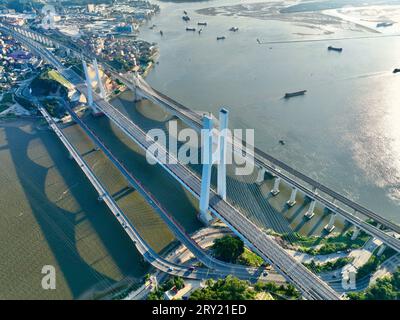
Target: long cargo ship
330, 48
295, 94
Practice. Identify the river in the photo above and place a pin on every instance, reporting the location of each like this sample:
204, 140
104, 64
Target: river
344, 132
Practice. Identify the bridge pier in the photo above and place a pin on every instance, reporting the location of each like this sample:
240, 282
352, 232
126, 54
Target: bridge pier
261, 175
310, 212
331, 224
292, 200
355, 234
275, 190
207, 152
381, 250
223, 132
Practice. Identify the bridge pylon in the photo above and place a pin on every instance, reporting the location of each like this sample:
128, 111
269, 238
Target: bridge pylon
222, 143
207, 162
89, 84
98, 78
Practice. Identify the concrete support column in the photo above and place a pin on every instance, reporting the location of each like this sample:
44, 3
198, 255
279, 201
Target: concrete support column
88, 84
381, 249
275, 190
355, 234
292, 199
331, 224
207, 151
223, 134
261, 175
310, 212
98, 78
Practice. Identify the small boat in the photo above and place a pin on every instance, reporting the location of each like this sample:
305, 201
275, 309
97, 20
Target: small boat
282, 142
258, 41
161, 33
201, 30
221, 38
295, 94
330, 48
184, 12
186, 18
384, 24
190, 29
234, 29
396, 70
202, 23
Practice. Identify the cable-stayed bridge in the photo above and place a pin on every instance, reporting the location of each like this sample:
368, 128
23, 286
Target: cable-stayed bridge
311, 286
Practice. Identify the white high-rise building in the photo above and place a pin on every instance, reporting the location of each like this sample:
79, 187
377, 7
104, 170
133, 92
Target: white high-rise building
90, 8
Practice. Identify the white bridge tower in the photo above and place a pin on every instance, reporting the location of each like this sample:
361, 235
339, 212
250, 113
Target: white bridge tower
209, 158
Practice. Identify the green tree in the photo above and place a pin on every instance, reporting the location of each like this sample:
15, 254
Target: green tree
229, 288
179, 283
384, 289
228, 248
155, 295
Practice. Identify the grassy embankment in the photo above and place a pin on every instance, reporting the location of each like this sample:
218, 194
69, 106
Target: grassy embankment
328, 266
321, 246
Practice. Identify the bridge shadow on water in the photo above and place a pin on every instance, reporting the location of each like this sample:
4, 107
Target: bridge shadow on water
59, 226
174, 198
